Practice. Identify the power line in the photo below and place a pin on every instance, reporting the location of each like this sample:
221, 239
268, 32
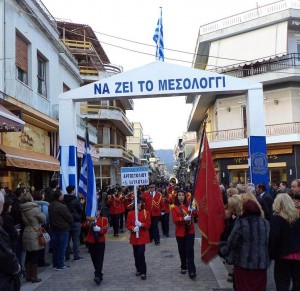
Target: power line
140, 43
150, 54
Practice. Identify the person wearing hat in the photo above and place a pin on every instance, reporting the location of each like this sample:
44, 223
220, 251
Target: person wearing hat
140, 226
115, 202
182, 214
154, 203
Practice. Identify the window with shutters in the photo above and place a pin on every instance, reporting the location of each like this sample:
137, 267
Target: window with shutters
21, 58
41, 75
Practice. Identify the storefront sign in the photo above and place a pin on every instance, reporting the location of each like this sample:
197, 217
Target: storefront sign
32, 139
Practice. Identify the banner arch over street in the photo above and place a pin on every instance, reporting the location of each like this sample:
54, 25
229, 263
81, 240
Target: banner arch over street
160, 79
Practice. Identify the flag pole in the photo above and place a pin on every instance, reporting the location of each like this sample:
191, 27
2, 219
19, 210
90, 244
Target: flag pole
136, 208
199, 157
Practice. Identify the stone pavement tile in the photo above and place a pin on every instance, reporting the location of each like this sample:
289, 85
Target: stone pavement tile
163, 272
119, 272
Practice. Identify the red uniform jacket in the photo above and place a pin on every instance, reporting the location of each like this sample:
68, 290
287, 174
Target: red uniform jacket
181, 228
116, 204
155, 205
144, 218
101, 222
168, 200
172, 193
128, 201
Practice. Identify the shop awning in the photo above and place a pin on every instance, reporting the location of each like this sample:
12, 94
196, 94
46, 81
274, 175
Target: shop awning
9, 121
29, 160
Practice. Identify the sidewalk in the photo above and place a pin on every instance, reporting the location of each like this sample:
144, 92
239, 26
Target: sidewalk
163, 272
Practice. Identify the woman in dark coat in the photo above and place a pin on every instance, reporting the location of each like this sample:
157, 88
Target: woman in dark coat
284, 246
247, 249
9, 266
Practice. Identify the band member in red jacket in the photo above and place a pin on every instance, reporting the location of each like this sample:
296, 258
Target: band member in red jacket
154, 203
128, 202
165, 217
115, 203
185, 232
141, 225
95, 241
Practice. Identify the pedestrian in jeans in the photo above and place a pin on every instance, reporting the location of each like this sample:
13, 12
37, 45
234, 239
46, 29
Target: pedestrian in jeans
60, 220
75, 209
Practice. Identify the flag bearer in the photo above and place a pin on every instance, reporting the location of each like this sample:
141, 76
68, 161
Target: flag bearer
141, 225
95, 241
185, 232
154, 203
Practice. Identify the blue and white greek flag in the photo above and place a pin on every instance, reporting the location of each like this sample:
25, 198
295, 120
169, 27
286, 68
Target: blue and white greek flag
68, 166
87, 182
159, 39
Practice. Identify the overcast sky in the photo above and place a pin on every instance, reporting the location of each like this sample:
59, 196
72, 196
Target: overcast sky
164, 119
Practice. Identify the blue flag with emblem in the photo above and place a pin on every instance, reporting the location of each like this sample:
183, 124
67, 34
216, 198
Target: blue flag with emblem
159, 39
87, 181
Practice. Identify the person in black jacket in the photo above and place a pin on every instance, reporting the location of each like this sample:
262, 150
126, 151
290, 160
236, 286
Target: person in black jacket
247, 249
265, 199
284, 245
9, 266
75, 208
60, 220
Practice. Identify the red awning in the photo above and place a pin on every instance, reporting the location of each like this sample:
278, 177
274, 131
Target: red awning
9, 121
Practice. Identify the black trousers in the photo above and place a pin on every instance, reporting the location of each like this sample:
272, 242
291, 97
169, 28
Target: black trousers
121, 219
165, 223
139, 258
186, 252
153, 230
115, 219
97, 255
284, 272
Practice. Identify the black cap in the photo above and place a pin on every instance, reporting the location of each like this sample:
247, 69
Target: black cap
181, 190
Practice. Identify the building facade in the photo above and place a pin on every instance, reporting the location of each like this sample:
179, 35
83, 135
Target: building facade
34, 67
260, 45
41, 58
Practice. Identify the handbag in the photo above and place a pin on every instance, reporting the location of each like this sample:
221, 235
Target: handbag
43, 237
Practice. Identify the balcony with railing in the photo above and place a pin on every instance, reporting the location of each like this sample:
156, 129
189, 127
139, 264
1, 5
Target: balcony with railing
81, 129
234, 135
249, 15
114, 151
266, 66
103, 112
89, 61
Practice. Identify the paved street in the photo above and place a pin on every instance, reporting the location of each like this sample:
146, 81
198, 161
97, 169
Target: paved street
119, 272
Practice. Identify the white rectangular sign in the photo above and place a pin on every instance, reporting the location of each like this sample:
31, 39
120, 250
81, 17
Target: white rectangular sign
134, 176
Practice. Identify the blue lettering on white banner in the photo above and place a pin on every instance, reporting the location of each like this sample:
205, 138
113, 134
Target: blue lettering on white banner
177, 84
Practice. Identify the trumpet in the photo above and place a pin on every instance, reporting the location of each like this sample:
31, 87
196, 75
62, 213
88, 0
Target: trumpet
173, 181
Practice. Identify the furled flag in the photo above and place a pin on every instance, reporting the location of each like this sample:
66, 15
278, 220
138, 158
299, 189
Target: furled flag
159, 39
87, 182
211, 215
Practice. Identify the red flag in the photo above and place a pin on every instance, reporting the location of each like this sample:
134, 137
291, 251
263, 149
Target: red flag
210, 204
